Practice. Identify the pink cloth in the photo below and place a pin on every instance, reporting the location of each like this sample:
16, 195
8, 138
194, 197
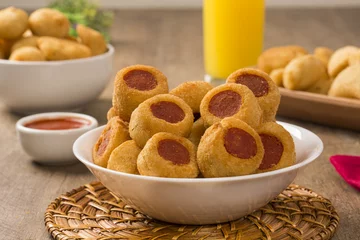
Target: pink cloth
349, 168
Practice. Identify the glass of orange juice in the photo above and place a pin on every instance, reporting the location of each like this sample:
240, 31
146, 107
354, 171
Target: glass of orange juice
233, 36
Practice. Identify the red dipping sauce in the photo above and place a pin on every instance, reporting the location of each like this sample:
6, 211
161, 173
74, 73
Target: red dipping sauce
61, 123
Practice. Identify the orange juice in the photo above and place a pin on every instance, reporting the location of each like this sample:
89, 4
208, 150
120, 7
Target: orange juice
233, 35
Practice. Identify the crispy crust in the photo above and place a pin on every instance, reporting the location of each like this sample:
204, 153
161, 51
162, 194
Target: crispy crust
126, 99
249, 111
213, 158
111, 113
197, 131
192, 93
269, 103
288, 157
150, 163
143, 125
119, 134
124, 158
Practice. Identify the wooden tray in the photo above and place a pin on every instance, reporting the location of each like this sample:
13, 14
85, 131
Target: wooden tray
93, 212
317, 108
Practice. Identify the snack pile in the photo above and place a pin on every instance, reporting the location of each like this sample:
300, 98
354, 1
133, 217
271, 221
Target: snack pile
193, 130
43, 36
333, 73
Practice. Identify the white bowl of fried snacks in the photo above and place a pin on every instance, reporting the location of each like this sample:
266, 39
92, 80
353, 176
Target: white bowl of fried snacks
52, 86
43, 68
200, 200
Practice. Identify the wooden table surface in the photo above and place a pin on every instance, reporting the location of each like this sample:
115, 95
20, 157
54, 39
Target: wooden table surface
172, 41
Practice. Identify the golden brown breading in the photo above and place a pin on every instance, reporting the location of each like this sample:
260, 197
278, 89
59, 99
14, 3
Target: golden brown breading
168, 155
229, 148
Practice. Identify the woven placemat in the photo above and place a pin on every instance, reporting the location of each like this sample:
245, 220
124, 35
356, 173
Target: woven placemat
93, 212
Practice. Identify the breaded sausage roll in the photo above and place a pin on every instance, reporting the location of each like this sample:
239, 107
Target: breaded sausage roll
162, 113
124, 158
278, 146
230, 100
115, 133
263, 87
192, 93
168, 155
133, 85
229, 148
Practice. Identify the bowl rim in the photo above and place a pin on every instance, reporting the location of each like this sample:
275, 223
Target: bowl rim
316, 153
51, 115
106, 54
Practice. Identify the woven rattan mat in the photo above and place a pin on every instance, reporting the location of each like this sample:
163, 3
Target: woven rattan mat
93, 212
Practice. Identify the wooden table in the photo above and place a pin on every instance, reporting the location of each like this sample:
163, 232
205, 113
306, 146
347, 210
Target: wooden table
172, 41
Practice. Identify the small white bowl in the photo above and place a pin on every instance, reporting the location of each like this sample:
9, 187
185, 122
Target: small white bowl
201, 200
51, 147
30, 87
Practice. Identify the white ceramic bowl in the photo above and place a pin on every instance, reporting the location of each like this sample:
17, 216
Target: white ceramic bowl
201, 200
28, 87
51, 146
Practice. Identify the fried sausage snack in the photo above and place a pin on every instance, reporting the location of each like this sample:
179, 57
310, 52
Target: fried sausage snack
263, 87
229, 148
230, 100
124, 158
279, 147
197, 131
192, 93
133, 85
168, 155
111, 113
162, 113
115, 133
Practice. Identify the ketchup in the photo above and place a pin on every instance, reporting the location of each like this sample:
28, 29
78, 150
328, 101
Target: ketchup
62, 123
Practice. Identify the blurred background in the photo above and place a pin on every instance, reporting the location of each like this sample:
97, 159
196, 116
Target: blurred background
183, 3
